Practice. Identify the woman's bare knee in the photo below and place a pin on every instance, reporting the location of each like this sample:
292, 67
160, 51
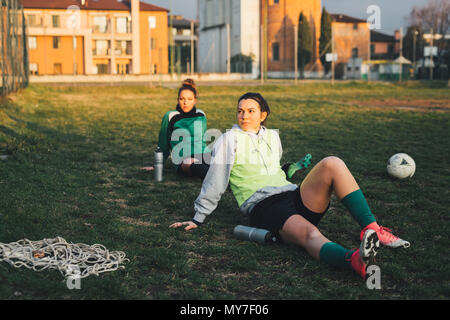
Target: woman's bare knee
300, 231
313, 234
332, 163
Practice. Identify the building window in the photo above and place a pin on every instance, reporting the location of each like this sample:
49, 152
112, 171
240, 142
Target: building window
33, 68
56, 42
152, 22
57, 68
275, 51
276, 1
32, 42
123, 47
354, 52
100, 24
355, 26
101, 47
102, 68
391, 49
123, 25
55, 21
33, 20
152, 43
184, 32
123, 68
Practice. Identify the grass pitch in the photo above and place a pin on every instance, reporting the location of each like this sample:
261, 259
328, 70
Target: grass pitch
72, 170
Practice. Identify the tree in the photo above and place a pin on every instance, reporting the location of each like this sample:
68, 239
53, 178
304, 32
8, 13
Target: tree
434, 15
305, 43
413, 40
433, 18
325, 39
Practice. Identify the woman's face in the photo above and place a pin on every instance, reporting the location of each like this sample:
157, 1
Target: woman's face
187, 100
249, 115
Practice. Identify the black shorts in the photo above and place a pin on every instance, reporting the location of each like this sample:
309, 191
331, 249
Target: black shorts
272, 212
204, 158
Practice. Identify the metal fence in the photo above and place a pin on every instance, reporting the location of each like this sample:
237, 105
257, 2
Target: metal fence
14, 67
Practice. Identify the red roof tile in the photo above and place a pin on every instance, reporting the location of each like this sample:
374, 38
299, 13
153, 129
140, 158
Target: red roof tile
89, 5
344, 18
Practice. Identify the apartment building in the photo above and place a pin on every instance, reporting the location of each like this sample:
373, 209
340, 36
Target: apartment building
96, 37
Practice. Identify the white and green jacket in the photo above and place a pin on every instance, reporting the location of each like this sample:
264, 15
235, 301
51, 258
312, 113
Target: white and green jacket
250, 163
189, 126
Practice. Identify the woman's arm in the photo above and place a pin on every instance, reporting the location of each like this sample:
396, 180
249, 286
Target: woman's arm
163, 139
215, 182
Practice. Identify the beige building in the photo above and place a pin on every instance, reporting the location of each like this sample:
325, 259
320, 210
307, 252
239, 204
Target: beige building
351, 38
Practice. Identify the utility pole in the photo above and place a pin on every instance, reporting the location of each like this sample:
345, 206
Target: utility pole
261, 58
228, 49
415, 33
192, 48
150, 21
266, 18
332, 52
172, 53
431, 55
401, 54
369, 55
296, 51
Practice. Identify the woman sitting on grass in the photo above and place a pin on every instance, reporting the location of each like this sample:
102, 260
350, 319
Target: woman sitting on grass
248, 157
186, 119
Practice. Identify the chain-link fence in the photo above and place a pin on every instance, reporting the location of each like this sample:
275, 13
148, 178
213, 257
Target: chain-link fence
14, 67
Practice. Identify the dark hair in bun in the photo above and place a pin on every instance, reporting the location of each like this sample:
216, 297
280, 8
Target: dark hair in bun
188, 84
263, 105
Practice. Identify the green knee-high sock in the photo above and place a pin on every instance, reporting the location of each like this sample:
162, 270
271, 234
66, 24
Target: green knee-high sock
336, 255
357, 205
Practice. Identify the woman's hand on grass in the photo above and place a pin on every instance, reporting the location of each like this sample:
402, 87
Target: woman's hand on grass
189, 225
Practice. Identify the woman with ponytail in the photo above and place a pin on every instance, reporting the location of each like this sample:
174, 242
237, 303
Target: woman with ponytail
182, 133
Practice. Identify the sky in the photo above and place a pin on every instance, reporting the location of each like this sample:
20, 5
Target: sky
393, 13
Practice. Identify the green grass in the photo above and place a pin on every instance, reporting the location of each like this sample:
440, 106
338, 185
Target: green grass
73, 172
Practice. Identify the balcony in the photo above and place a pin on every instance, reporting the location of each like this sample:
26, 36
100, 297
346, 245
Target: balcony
101, 52
98, 28
123, 48
123, 52
106, 52
122, 26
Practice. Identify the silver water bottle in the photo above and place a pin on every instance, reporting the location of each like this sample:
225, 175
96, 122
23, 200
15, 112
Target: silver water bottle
254, 234
158, 164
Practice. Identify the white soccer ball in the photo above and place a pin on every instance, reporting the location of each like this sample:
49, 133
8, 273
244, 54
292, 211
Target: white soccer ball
401, 166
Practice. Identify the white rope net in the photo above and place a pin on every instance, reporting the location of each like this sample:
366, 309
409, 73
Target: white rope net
71, 259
